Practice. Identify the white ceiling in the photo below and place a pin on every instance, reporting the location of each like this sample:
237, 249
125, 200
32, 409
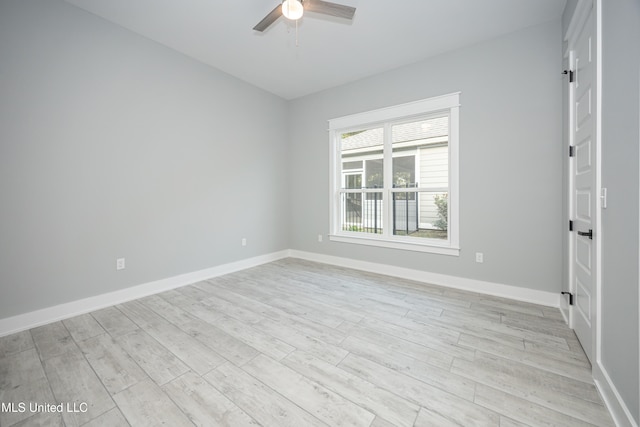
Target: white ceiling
384, 34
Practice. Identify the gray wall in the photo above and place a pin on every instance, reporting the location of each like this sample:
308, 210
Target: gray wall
620, 143
510, 157
114, 146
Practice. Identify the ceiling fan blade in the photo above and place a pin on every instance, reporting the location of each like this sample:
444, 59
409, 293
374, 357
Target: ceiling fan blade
269, 19
328, 8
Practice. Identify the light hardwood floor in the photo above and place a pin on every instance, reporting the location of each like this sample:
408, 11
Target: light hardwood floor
296, 343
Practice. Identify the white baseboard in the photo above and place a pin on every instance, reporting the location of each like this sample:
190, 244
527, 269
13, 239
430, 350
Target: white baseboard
549, 299
32, 319
617, 408
74, 308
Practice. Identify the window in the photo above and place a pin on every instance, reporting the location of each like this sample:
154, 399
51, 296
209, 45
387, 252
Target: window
394, 176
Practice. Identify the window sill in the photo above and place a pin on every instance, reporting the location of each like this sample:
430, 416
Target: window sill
394, 244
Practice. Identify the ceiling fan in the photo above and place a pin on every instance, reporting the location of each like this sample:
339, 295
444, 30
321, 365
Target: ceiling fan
293, 9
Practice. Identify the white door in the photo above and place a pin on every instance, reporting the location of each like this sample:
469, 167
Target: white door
583, 170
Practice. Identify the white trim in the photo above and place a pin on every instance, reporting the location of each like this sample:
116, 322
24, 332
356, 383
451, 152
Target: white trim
373, 240
442, 102
335, 177
549, 299
619, 411
454, 177
419, 190
598, 162
32, 319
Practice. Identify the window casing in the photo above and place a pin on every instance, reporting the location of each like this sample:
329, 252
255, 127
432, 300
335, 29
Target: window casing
394, 176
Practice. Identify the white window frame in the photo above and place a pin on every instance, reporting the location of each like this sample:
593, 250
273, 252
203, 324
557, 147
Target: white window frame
384, 117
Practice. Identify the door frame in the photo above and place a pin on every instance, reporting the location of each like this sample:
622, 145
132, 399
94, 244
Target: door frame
578, 19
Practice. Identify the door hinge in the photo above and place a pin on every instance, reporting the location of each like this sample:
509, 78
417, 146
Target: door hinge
570, 225
570, 296
571, 75
572, 151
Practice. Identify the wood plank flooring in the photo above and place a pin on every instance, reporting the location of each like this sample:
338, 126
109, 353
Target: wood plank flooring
296, 343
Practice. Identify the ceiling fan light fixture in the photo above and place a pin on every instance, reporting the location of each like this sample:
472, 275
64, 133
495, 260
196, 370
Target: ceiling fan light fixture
292, 9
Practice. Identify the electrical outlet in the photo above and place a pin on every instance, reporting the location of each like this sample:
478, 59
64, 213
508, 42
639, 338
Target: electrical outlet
244, 241
320, 238
120, 264
479, 257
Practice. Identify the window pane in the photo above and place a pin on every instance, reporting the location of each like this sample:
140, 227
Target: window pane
421, 130
353, 180
364, 148
362, 214
420, 214
421, 153
404, 171
351, 211
374, 173
352, 165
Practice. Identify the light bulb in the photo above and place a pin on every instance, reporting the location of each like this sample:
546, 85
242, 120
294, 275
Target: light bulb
292, 9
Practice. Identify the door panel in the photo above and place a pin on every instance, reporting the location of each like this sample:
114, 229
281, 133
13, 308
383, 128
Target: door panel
583, 254
583, 157
584, 187
583, 108
583, 301
583, 205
